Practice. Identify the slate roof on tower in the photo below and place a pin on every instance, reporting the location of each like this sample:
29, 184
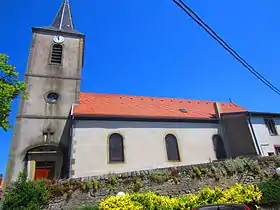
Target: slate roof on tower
63, 21
93, 104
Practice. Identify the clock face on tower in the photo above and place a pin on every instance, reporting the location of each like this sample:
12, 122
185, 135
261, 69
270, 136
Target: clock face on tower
58, 39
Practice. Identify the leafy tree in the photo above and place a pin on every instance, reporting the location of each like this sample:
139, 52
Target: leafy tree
271, 192
10, 89
26, 194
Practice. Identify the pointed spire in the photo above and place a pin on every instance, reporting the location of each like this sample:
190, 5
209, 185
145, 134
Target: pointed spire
63, 19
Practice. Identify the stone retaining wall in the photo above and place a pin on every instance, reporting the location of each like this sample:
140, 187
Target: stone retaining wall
177, 181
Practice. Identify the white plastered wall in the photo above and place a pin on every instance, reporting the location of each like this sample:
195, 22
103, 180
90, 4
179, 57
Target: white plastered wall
144, 145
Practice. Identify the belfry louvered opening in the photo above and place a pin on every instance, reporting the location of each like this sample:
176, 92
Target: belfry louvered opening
56, 54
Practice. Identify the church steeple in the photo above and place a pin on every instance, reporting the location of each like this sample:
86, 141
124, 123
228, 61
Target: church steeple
63, 20
53, 78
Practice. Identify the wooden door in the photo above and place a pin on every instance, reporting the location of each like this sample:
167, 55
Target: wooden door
42, 173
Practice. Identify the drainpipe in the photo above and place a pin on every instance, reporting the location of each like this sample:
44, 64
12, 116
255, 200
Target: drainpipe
254, 135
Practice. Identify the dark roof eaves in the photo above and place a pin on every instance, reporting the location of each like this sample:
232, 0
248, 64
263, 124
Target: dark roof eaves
253, 114
143, 118
234, 113
51, 29
270, 114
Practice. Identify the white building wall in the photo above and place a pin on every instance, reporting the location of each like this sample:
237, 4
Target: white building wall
265, 140
144, 145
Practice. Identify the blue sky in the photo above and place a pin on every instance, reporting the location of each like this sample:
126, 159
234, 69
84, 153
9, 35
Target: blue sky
153, 48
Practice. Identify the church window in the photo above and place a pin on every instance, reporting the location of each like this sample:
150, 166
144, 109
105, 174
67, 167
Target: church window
116, 152
56, 56
172, 148
52, 97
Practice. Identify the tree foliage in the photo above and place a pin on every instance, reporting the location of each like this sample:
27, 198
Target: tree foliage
271, 192
10, 88
26, 194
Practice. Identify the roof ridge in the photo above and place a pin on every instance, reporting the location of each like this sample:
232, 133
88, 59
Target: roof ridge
236, 104
156, 97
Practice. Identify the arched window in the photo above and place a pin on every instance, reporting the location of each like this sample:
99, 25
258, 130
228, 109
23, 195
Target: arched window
219, 147
116, 153
172, 148
56, 56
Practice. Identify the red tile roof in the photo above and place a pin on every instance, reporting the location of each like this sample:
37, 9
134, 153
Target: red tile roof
94, 104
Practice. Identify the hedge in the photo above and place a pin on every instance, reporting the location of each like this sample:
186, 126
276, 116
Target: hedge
271, 192
26, 194
247, 194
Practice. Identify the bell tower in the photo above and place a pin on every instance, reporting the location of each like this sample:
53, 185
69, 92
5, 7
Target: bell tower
40, 142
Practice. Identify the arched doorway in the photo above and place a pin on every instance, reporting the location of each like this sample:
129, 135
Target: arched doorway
44, 162
219, 147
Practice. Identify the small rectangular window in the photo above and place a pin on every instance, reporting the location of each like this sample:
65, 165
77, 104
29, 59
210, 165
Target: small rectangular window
270, 124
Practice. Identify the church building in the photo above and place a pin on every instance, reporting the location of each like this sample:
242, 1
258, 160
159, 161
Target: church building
61, 132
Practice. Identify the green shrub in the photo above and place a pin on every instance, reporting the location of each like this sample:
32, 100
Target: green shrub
95, 185
151, 201
26, 194
250, 195
254, 166
209, 196
137, 184
236, 165
271, 192
160, 177
89, 185
247, 194
119, 202
204, 170
113, 180
197, 172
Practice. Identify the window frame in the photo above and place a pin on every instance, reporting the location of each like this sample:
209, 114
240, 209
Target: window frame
47, 99
271, 126
169, 156
112, 159
51, 54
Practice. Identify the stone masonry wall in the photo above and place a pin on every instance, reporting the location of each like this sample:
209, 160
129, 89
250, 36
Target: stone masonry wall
177, 181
